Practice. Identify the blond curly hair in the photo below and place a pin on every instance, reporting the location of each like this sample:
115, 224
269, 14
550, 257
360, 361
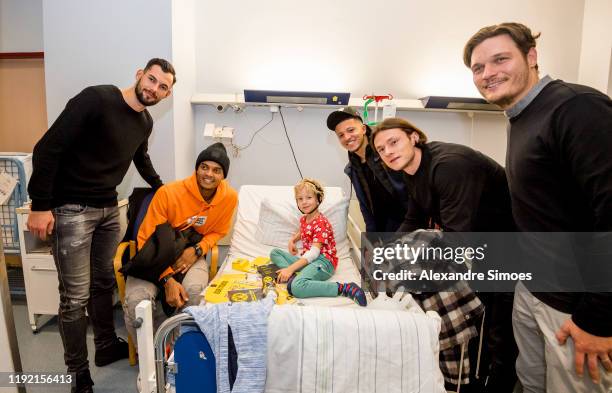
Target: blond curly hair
312, 185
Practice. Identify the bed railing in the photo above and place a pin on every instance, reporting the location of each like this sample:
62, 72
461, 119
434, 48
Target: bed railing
355, 226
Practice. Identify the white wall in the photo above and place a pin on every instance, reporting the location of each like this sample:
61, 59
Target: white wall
183, 59
269, 160
596, 56
21, 27
91, 42
407, 48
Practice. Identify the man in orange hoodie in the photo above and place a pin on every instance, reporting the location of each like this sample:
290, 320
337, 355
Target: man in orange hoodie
205, 202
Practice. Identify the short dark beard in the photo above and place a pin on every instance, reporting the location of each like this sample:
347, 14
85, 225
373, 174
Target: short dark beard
140, 96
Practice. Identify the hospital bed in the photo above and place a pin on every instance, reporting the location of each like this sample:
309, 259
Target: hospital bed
331, 344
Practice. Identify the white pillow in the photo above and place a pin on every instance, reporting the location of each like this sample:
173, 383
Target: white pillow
337, 214
278, 221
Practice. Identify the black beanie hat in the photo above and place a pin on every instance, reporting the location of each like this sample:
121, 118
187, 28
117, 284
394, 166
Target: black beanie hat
216, 153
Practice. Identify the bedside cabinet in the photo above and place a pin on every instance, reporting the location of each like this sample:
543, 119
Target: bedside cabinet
39, 272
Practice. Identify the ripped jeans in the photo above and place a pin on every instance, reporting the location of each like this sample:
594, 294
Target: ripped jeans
137, 290
84, 242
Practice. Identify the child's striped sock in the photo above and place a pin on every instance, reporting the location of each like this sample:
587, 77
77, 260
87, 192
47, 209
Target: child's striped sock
352, 291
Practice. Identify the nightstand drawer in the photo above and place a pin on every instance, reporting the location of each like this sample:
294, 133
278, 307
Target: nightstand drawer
40, 264
42, 284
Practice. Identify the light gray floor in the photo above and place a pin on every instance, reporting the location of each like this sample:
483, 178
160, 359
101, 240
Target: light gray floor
43, 351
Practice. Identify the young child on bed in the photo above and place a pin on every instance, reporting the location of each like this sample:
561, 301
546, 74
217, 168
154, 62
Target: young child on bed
318, 260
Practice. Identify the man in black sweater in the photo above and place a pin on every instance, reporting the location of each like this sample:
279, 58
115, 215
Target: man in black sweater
459, 190
78, 164
560, 179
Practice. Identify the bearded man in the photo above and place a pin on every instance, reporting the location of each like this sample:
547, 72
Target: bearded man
77, 166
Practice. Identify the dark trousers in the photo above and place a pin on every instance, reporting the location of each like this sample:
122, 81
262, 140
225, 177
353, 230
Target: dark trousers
84, 242
497, 371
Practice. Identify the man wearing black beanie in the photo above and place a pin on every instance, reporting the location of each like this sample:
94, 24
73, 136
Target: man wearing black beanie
204, 202
217, 153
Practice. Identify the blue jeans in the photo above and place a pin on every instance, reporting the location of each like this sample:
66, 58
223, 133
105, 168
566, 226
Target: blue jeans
312, 279
84, 242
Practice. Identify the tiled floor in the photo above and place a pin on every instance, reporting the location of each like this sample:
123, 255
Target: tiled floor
43, 351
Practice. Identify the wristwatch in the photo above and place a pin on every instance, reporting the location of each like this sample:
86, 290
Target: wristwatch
198, 250
165, 279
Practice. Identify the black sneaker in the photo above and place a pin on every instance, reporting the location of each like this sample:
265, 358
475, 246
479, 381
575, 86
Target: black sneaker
84, 384
116, 351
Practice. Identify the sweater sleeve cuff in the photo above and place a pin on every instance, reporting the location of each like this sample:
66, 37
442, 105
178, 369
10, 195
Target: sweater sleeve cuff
169, 270
157, 184
593, 320
40, 205
204, 245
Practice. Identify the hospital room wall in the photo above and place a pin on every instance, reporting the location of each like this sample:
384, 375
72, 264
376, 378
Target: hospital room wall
92, 42
21, 28
596, 53
269, 159
22, 93
406, 48
410, 49
183, 59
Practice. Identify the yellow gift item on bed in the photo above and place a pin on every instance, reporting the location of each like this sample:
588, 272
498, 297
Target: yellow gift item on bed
242, 265
245, 265
259, 261
217, 290
283, 295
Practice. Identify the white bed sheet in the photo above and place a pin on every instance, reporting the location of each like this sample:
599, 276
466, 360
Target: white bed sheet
315, 349
244, 245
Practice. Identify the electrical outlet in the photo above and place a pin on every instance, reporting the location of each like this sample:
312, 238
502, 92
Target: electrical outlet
218, 132
212, 131
209, 129
223, 132
228, 132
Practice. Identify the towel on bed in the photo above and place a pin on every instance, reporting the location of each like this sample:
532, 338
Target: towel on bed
248, 322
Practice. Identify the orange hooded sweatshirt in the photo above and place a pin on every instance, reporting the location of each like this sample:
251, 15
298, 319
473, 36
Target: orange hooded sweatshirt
181, 204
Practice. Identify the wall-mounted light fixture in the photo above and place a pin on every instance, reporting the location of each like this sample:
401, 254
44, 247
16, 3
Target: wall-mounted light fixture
295, 97
465, 103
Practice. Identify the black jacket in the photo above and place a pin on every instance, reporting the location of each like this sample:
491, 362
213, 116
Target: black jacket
383, 198
159, 252
460, 189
